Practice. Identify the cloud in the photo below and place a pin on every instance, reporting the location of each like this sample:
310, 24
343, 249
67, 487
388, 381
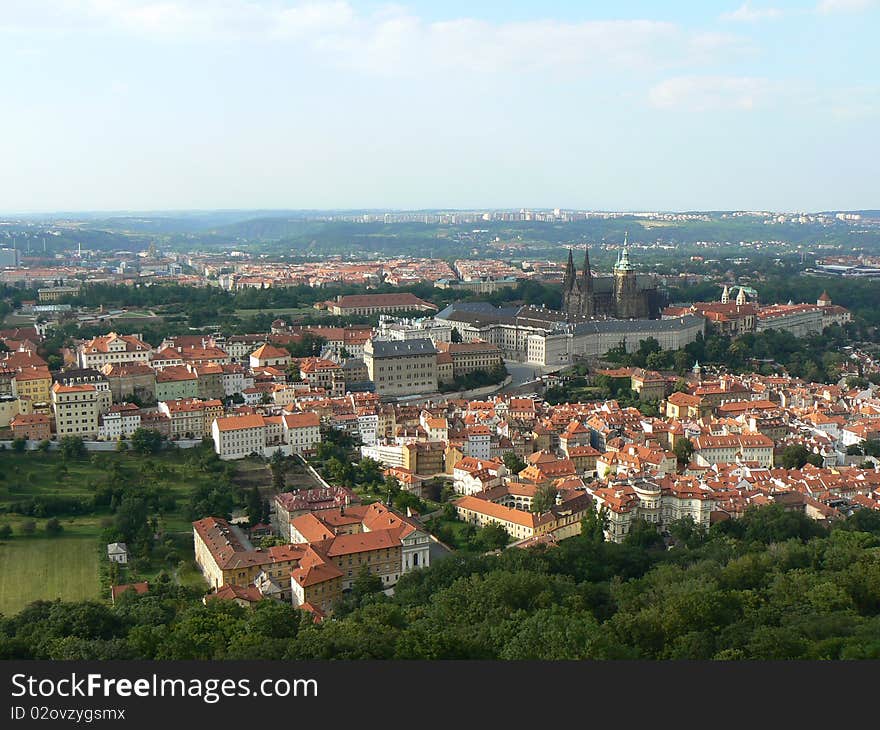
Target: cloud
828, 7
390, 41
710, 93
746, 13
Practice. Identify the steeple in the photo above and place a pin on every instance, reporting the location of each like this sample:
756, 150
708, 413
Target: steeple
586, 274
569, 271
569, 279
587, 303
623, 263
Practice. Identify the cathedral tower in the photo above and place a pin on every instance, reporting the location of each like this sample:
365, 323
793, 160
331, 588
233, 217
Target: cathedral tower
571, 303
626, 294
588, 303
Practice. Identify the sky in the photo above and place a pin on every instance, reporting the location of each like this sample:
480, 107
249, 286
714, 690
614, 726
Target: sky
281, 104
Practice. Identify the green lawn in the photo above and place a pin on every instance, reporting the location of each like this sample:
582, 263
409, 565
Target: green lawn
281, 311
34, 568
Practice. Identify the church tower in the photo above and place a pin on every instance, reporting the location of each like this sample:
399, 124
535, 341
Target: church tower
571, 303
626, 295
588, 304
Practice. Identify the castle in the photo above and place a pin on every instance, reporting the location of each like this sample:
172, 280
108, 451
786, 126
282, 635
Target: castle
624, 295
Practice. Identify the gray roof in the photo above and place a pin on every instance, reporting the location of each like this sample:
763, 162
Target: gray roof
352, 363
399, 348
646, 326
74, 375
475, 308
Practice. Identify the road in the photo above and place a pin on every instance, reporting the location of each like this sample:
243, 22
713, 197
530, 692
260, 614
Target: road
522, 378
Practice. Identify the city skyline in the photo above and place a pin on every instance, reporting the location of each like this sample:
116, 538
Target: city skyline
140, 105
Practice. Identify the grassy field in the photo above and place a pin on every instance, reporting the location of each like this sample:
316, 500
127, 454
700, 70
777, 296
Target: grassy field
283, 311
34, 568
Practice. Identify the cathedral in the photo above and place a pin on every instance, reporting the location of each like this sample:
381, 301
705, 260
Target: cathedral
623, 295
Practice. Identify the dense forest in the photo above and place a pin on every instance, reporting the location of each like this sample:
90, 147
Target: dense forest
771, 585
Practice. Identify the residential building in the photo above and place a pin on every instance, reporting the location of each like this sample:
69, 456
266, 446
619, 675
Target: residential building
302, 431
113, 348
238, 436
76, 409
176, 382
267, 355
33, 384
33, 426
131, 380
402, 367
468, 357
120, 422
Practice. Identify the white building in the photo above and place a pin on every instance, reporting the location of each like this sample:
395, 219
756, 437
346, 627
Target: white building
238, 436
402, 328
302, 431
76, 408
120, 422
368, 428
113, 348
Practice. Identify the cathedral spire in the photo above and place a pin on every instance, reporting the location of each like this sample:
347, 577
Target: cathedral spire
587, 303
587, 275
570, 276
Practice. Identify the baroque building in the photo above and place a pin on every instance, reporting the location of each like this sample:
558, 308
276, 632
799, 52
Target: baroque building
623, 295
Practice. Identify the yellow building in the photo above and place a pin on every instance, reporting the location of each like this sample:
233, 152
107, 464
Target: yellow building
76, 408
34, 384
224, 559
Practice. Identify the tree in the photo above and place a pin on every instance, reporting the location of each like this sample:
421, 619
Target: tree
456, 335
513, 462
53, 527
44, 445
687, 532
683, 450
28, 527
5, 532
254, 505
643, 535
594, 524
131, 519
19, 445
72, 447
794, 456
147, 441
544, 499
122, 445
365, 583
491, 537
392, 487
369, 471
278, 466
681, 362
